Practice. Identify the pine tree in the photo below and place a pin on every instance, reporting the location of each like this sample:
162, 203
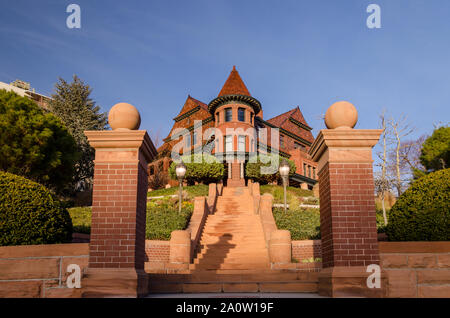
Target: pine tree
72, 104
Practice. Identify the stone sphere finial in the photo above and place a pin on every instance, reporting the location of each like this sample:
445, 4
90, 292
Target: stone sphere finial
341, 115
124, 116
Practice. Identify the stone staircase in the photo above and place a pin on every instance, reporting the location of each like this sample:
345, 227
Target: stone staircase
232, 256
233, 237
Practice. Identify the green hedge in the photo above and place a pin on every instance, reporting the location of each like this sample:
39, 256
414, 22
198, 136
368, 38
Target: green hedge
30, 214
200, 168
422, 213
304, 224
253, 169
163, 219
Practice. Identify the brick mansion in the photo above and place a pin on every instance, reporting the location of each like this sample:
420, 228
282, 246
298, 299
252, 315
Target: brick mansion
236, 108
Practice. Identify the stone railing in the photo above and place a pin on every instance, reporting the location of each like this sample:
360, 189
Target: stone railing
183, 244
277, 241
256, 195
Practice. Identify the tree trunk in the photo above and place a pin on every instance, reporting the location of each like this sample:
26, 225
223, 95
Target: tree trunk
384, 209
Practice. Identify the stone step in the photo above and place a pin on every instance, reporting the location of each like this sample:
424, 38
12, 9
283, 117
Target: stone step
233, 287
243, 275
255, 258
214, 266
232, 245
212, 233
262, 262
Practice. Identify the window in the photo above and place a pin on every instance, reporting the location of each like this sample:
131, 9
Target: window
314, 173
241, 143
298, 146
228, 114
281, 141
304, 169
217, 117
309, 171
228, 143
188, 141
241, 114
251, 118
194, 138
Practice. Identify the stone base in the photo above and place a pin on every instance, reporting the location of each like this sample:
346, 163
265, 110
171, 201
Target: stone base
349, 282
114, 282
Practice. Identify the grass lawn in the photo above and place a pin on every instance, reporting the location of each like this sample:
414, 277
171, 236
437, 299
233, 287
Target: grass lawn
192, 191
294, 196
81, 219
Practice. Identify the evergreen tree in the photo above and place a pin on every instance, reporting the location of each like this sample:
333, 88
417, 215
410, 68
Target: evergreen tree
78, 111
436, 150
35, 144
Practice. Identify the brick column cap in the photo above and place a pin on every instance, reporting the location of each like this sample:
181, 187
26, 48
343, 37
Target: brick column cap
122, 139
350, 140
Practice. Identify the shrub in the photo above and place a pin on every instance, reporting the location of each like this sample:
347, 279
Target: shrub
158, 180
35, 144
164, 218
81, 219
30, 214
200, 168
255, 172
422, 213
304, 224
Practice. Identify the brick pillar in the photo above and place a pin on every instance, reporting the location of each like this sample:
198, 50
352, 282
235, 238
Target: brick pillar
117, 246
347, 210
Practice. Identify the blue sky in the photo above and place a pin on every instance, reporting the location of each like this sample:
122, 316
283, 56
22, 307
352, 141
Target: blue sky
152, 54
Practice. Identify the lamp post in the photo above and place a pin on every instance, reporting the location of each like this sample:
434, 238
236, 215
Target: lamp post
180, 171
284, 173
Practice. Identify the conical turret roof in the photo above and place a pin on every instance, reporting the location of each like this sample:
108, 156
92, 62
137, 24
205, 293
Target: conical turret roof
234, 85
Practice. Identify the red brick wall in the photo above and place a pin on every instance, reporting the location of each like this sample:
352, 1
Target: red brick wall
306, 249
141, 214
300, 157
39, 270
347, 215
157, 251
115, 230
